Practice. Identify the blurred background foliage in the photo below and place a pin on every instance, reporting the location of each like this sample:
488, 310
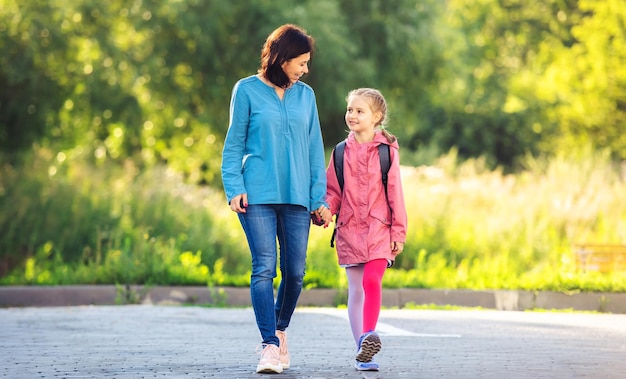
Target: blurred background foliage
92, 88
151, 79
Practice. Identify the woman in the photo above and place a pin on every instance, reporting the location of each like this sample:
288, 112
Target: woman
273, 170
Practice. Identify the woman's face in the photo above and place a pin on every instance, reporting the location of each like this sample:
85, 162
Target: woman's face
296, 67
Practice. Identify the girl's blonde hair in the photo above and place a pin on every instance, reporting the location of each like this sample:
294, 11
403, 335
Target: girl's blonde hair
377, 103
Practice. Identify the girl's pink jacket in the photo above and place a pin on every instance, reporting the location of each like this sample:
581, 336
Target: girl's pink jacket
367, 223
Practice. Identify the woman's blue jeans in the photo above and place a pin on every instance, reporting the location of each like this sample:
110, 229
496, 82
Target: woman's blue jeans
263, 224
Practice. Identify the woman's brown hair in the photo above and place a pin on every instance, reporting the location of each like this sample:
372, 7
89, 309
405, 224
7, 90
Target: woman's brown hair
287, 42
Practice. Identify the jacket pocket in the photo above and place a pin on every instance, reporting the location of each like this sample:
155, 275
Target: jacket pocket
344, 217
381, 215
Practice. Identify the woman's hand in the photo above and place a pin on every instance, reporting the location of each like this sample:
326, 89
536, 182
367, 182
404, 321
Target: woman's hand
239, 203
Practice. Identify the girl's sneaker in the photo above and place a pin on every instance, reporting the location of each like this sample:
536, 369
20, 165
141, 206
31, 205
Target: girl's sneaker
366, 366
369, 345
270, 361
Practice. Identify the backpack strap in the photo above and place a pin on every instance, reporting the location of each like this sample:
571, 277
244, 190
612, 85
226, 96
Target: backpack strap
385, 164
338, 163
338, 160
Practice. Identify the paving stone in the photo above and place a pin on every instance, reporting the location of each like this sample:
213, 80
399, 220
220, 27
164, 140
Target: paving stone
153, 341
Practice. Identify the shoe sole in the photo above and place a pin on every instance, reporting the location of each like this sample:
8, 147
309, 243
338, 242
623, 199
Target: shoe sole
269, 369
361, 368
369, 347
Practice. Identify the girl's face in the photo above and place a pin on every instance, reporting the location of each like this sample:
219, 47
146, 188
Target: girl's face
359, 115
296, 67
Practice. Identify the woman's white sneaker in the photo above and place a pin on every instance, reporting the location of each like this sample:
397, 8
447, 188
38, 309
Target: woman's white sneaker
283, 355
270, 361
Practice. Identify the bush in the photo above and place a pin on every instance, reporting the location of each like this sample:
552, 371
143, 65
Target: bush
469, 227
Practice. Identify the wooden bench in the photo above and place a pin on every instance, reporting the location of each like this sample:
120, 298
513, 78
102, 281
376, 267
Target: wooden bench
601, 258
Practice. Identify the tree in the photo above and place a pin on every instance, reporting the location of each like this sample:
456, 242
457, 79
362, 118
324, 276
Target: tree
32, 74
584, 82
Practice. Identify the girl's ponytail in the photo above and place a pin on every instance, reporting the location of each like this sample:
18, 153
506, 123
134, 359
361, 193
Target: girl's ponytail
390, 137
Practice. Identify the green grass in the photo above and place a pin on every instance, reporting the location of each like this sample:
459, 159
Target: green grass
66, 222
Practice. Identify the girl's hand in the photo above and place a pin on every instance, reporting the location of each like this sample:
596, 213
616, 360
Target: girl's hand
327, 217
397, 247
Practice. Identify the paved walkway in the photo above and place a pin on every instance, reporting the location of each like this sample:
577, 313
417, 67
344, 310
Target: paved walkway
144, 341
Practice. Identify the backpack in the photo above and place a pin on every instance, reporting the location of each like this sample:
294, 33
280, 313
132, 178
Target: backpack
385, 164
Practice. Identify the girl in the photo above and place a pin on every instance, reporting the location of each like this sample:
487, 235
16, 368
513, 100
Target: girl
371, 227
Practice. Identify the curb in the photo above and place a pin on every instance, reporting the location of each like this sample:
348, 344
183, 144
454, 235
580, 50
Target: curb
48, 296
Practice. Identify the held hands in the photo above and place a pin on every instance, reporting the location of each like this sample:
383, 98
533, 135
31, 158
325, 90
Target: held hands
321, 216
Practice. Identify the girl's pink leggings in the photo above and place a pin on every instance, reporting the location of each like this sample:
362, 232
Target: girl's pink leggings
365, 295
